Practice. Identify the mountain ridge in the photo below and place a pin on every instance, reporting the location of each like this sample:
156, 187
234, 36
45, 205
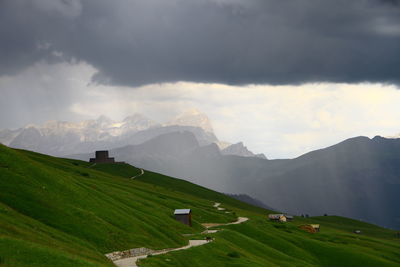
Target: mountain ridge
60, 138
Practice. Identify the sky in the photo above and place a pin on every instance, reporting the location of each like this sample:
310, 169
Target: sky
284, 77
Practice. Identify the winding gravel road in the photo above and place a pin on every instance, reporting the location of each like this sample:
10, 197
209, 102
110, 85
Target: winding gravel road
131, 261
141, 173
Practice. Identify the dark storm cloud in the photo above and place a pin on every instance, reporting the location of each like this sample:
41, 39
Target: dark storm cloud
392, 2
236, 42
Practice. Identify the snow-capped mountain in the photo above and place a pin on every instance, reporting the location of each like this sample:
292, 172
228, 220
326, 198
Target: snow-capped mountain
193, 118
89, 130
60, 138
132, 124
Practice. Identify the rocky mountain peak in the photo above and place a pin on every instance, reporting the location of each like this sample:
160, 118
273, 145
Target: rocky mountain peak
194, 118
137, 122
239, 149
138, 118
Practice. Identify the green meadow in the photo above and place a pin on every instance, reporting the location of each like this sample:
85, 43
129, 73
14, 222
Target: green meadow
62, 212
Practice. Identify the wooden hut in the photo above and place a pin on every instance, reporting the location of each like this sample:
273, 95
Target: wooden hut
315, 226
277, 217
184, 216
311, 228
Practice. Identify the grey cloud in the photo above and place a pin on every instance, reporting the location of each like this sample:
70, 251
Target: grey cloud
235, 42
42, 92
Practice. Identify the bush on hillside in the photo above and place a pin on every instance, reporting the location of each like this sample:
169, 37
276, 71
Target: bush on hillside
233, 254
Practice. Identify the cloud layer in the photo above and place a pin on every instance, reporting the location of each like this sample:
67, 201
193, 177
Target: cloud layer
137, 42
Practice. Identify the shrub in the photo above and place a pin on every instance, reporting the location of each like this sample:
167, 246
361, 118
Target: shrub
85, 174
233, 254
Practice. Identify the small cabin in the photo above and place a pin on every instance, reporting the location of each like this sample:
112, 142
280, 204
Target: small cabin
277, 217
184, 216
315, 227
311, 228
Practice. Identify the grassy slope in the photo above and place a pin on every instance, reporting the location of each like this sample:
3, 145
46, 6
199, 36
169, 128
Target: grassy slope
85, 211
59, 212
259, 242
124, 170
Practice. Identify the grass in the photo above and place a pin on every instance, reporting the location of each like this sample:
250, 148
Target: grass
62, 212
259, 243
120, 169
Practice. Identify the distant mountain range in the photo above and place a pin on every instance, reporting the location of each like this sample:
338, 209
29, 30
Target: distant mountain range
358, 178
59, 138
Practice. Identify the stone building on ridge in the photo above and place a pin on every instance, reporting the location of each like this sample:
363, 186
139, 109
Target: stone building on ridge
102, 157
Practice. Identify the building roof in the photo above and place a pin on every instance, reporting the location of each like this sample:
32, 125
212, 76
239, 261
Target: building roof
275, 215
182, 211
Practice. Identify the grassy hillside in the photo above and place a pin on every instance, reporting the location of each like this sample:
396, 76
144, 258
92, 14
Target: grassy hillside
85, 212
61, 212
261, 243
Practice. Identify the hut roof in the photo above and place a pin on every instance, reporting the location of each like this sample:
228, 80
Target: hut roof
182, 211
275, 216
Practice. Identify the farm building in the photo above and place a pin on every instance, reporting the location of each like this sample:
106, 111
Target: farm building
311, 228
315, 226
184, 216
280, 217
102, 157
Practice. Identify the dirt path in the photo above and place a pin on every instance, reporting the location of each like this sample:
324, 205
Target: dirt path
239, 220
209, 225
94, 164
141, 173
217, 206
131, 261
